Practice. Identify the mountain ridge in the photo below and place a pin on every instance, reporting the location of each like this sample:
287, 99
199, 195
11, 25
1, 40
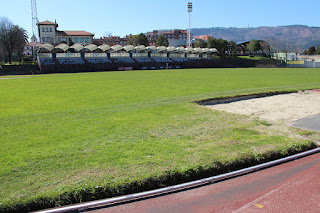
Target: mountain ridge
291, 37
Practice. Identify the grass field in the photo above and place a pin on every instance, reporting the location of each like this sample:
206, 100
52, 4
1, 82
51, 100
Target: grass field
65, 135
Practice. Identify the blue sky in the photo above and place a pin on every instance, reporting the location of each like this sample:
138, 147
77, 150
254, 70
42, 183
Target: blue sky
124, 17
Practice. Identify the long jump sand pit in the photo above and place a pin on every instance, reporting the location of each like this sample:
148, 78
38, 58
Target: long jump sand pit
285, 108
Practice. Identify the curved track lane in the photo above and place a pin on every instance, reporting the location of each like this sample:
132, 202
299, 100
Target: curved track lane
289, 187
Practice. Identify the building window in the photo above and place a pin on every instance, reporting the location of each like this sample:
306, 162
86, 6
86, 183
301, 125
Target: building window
42, 29
50, 29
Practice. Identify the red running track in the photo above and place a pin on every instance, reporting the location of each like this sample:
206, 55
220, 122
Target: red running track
316, 90
289, 187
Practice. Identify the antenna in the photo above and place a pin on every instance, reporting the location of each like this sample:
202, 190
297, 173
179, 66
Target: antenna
189, 10
34, 27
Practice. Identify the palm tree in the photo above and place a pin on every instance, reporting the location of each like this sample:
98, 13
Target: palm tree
21, 40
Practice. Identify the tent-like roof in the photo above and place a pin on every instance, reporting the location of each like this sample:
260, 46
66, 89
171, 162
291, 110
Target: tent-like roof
162, 49
48, 47
197, 50
213, 50
188, 49
104, 47
180, 49
205, 50
140, 48
91, 47
117, 48
62, 46
171, 49
128, 48
151, 48
77, 47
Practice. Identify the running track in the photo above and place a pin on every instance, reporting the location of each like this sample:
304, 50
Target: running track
289, 187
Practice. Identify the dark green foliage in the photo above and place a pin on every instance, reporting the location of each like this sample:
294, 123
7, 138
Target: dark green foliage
162, 41
12, 39
254, 46
137, 40
200, 43
220, 44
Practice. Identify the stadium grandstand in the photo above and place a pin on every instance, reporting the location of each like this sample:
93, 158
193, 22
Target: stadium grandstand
91, 57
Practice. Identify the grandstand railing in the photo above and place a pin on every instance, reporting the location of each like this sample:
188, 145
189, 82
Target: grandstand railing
164, 55
119, 55
177, 55
98, 60
68, 55
136, 55
193, 56
45, 55
93, 55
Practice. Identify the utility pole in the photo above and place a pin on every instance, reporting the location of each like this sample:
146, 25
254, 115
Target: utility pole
34, 28
189, 10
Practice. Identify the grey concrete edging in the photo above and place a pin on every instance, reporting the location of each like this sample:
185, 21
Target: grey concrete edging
121, 199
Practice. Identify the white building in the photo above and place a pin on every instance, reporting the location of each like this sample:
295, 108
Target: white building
175, 38
29, 47
49, 33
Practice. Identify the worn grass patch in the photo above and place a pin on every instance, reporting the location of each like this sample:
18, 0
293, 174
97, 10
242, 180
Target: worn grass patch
68, 138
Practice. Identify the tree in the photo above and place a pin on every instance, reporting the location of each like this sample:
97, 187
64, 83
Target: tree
318, 50
232, 46
137, 40
21, 40
220, 44
310, 51
12, 38
212, 43
265, 46
162, 41
254, 46
200, 43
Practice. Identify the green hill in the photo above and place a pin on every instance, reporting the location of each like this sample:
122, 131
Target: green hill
294, 37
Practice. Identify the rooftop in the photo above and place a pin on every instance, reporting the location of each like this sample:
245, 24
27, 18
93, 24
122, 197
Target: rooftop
74, 33
47, 23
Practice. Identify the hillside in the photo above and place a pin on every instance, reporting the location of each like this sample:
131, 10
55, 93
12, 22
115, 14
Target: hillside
295, 37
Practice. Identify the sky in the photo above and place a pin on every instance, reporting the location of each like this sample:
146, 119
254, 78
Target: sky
124, 17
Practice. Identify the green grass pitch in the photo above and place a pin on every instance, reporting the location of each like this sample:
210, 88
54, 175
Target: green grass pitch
60, 133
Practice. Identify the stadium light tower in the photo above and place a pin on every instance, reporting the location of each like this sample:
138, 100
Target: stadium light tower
189, 10
34, 27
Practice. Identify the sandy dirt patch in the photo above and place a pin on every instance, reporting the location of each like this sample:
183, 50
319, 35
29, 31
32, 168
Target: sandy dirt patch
285, 108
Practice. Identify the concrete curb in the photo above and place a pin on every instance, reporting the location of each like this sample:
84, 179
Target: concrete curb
121, 199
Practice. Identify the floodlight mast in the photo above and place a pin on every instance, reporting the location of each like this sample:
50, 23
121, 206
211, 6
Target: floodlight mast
35, 22
189, 10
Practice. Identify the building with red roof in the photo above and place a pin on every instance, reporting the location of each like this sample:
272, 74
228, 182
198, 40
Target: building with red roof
203, 37
49, 33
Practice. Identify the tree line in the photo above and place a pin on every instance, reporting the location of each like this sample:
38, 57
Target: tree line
312, 51
223, 47
12, 39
